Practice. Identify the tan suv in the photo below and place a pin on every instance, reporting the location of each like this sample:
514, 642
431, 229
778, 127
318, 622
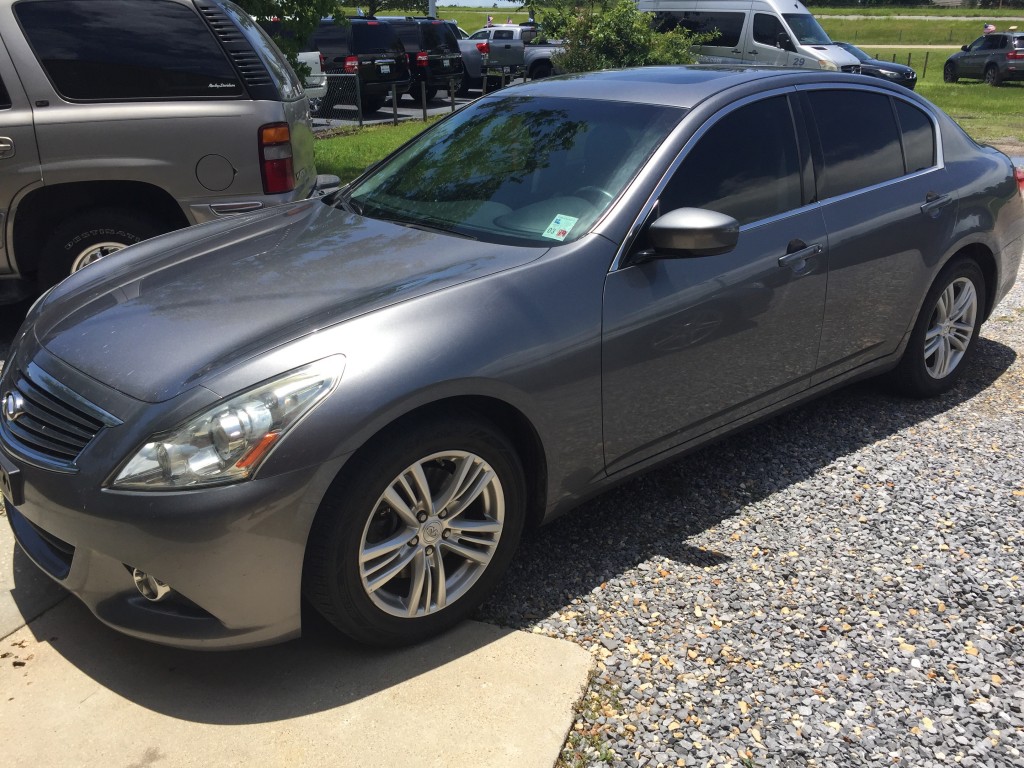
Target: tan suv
124, 119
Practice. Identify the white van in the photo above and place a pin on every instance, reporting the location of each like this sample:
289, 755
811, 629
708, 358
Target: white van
782, 33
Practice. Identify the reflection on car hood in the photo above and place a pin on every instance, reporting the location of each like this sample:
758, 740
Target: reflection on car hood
152, 320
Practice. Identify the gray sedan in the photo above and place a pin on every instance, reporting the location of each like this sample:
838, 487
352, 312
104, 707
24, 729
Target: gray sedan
362, 400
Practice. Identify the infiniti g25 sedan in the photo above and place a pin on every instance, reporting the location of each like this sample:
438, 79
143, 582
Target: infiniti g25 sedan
360, 401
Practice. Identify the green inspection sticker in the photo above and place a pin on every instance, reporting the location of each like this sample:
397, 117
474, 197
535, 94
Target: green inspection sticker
560, 227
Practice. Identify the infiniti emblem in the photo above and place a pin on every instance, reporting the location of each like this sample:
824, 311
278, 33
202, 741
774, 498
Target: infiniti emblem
14, 405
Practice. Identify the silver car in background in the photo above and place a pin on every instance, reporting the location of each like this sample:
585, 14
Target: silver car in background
363, 400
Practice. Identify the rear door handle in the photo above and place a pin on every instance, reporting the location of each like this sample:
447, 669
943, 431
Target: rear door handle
6, 146
935, 203
799, 253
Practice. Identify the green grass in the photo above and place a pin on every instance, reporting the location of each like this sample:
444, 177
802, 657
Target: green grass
903, 31
349, 154
890, 10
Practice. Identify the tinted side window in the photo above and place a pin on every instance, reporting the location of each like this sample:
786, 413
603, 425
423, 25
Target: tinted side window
503, 34
729, 26
860, 142
730, 172
918, 137
5, 98
767, 29
102, 50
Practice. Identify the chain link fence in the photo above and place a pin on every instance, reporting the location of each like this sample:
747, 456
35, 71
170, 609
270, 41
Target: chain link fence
346, 98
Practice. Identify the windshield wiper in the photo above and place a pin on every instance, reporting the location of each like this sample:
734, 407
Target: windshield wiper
426, 225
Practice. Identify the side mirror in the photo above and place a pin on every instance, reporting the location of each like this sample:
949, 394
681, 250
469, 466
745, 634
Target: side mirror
963, 47
783, 41
688, 232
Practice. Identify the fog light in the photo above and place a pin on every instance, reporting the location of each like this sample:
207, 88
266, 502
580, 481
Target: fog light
150, 587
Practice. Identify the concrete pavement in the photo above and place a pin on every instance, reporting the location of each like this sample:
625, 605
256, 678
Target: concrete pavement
77, 694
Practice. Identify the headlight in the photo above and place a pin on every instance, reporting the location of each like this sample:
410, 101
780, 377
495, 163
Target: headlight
889, 73
831, 66
228, 442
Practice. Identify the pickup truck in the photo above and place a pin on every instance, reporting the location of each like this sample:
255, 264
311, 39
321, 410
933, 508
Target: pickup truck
508, 45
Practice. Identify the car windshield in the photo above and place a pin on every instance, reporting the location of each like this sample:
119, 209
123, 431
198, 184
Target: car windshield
807, 29
853, 49
516, 169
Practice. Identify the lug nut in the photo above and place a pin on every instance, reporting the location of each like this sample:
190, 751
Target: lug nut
443, 514
414, 541
429, 550
422, 517
446, 534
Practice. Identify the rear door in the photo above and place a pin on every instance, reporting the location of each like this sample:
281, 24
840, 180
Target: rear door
889, 208
19, 158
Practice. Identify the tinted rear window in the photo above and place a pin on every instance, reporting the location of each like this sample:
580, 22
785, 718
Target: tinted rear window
5, 99
111, 50
860, 141
1018, 42
374, 37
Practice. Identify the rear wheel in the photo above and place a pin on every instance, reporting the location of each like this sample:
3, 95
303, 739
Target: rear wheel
418, 532
541, 70
992, 76
944, 337
371, 104
431, 93
949, 74
88, 237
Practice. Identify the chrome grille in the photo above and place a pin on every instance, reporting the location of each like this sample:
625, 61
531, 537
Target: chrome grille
46, 419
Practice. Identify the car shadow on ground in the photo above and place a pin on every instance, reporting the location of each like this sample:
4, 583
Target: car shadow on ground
656, 514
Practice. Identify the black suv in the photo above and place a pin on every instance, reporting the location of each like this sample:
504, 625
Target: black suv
433, 50
361, 46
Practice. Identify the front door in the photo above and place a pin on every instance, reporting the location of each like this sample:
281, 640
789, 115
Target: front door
691, 344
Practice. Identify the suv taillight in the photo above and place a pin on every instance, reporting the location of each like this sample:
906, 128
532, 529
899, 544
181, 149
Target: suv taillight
1015, 55
323, 62
483, 47
351, 65
422, 59
276, 159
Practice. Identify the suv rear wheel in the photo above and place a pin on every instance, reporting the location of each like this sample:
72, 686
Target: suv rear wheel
88, 237
992, 76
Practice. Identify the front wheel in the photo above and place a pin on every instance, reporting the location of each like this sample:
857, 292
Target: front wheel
949, 74
417, 532
88, 237
944, 337
992, 76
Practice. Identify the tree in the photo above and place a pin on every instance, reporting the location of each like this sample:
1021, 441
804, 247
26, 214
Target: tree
613, 33
298, 20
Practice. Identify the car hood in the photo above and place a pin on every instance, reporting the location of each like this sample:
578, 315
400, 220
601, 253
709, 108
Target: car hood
157, 318
892, 66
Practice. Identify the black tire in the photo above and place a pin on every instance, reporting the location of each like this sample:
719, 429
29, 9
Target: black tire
431, 93
89, 234
920, 374
541, 70
949, 74
372, 104
354, 518
993, 76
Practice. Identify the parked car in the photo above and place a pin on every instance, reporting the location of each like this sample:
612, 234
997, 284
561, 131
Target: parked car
994, 57
315, 84
364, 399
1018, 171
124, 119
524, 51
435, 61
365, 47
888, 70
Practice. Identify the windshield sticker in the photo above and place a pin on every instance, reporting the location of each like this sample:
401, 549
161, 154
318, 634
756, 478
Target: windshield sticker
560, 227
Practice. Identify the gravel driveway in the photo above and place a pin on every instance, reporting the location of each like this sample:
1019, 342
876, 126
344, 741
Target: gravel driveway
840, 586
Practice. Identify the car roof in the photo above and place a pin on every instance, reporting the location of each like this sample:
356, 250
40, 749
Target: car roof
679, 86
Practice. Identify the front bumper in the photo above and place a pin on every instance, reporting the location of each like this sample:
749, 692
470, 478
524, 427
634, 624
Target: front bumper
232, 555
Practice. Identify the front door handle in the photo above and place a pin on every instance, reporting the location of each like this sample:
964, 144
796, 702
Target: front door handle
935, 203
6, 146
797, 255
